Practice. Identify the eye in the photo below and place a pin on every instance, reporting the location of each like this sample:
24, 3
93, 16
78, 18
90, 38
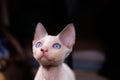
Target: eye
39, 44
56, 46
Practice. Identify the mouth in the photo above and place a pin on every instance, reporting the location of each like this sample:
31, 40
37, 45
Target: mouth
43, 57
44, 60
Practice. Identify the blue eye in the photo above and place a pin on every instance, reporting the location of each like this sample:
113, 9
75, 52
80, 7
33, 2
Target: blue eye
39, 44
56, 46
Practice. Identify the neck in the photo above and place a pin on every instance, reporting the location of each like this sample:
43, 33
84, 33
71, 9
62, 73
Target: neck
49, 71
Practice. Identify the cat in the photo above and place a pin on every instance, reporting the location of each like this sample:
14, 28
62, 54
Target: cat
51, 51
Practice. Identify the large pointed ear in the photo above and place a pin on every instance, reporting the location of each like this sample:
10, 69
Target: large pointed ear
40, 32
67, 36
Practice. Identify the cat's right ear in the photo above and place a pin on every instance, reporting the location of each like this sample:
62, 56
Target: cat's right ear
40, 32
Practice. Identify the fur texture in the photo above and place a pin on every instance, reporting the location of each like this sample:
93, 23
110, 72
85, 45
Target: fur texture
51, 51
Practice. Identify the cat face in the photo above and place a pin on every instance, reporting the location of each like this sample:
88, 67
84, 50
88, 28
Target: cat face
52, 50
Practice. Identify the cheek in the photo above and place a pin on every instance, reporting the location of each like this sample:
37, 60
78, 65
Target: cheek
57, 55
36, 53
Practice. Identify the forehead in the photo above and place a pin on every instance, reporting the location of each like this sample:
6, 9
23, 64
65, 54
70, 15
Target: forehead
50, 38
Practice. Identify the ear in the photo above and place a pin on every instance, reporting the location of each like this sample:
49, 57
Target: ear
67, 36
40, 32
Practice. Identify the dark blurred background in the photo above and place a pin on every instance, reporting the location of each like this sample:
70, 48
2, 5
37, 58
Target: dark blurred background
92, 20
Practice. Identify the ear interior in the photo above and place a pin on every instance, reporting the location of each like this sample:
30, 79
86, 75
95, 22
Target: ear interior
40, 32
67, 36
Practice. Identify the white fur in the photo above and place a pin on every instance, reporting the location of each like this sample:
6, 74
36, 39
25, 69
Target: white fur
59, 72
52, 66
62, 72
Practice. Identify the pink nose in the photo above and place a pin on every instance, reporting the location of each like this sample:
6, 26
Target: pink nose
44, 50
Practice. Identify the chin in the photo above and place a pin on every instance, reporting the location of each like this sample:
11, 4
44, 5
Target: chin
47, 63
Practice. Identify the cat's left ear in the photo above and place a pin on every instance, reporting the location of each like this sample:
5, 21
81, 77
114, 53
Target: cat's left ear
67, 36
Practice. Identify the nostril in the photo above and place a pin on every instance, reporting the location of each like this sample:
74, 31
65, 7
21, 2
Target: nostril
42, 50
46, 50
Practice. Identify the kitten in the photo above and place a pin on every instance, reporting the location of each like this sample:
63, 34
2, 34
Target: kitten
51, 51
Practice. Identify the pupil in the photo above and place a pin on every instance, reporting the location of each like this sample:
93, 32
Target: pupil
57, 46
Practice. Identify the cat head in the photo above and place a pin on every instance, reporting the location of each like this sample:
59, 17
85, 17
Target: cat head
52, 50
